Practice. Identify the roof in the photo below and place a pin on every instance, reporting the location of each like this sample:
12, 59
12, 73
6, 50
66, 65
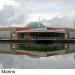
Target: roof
61, 30
35, 25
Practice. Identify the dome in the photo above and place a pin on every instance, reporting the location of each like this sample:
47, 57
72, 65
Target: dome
35, 25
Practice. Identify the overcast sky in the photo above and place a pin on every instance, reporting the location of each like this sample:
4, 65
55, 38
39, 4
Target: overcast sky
23, 11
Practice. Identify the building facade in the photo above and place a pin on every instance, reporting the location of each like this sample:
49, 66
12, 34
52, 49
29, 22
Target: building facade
34, 37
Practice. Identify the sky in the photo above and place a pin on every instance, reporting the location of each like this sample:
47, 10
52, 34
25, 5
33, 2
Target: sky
20, 12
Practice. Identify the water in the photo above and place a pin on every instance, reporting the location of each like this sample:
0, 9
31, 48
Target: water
62, 61
32, 47
5, 46
65, 61
37, 47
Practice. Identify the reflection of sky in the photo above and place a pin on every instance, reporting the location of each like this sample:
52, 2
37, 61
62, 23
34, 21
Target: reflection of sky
4, 47
24, 61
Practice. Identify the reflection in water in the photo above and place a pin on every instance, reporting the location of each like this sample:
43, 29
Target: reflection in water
72, 46
37, 47
20, 62
24, 61
5, 46
41, 47
32, 46
6, 60
68, 47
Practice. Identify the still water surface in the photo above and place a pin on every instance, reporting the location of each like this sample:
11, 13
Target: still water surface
62, 61
65, 61
39, 47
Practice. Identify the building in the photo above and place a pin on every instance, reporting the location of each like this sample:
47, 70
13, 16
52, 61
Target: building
35, 34
38, 31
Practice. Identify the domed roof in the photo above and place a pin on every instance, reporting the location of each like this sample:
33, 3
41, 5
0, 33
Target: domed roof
35, 25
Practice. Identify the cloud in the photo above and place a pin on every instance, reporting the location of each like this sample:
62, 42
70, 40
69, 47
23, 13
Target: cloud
29, 8
6, 14
47, 6
9, 15
60, 22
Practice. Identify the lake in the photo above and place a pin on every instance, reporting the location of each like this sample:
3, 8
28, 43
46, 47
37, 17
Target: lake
64, 61
6, 47
61, 61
